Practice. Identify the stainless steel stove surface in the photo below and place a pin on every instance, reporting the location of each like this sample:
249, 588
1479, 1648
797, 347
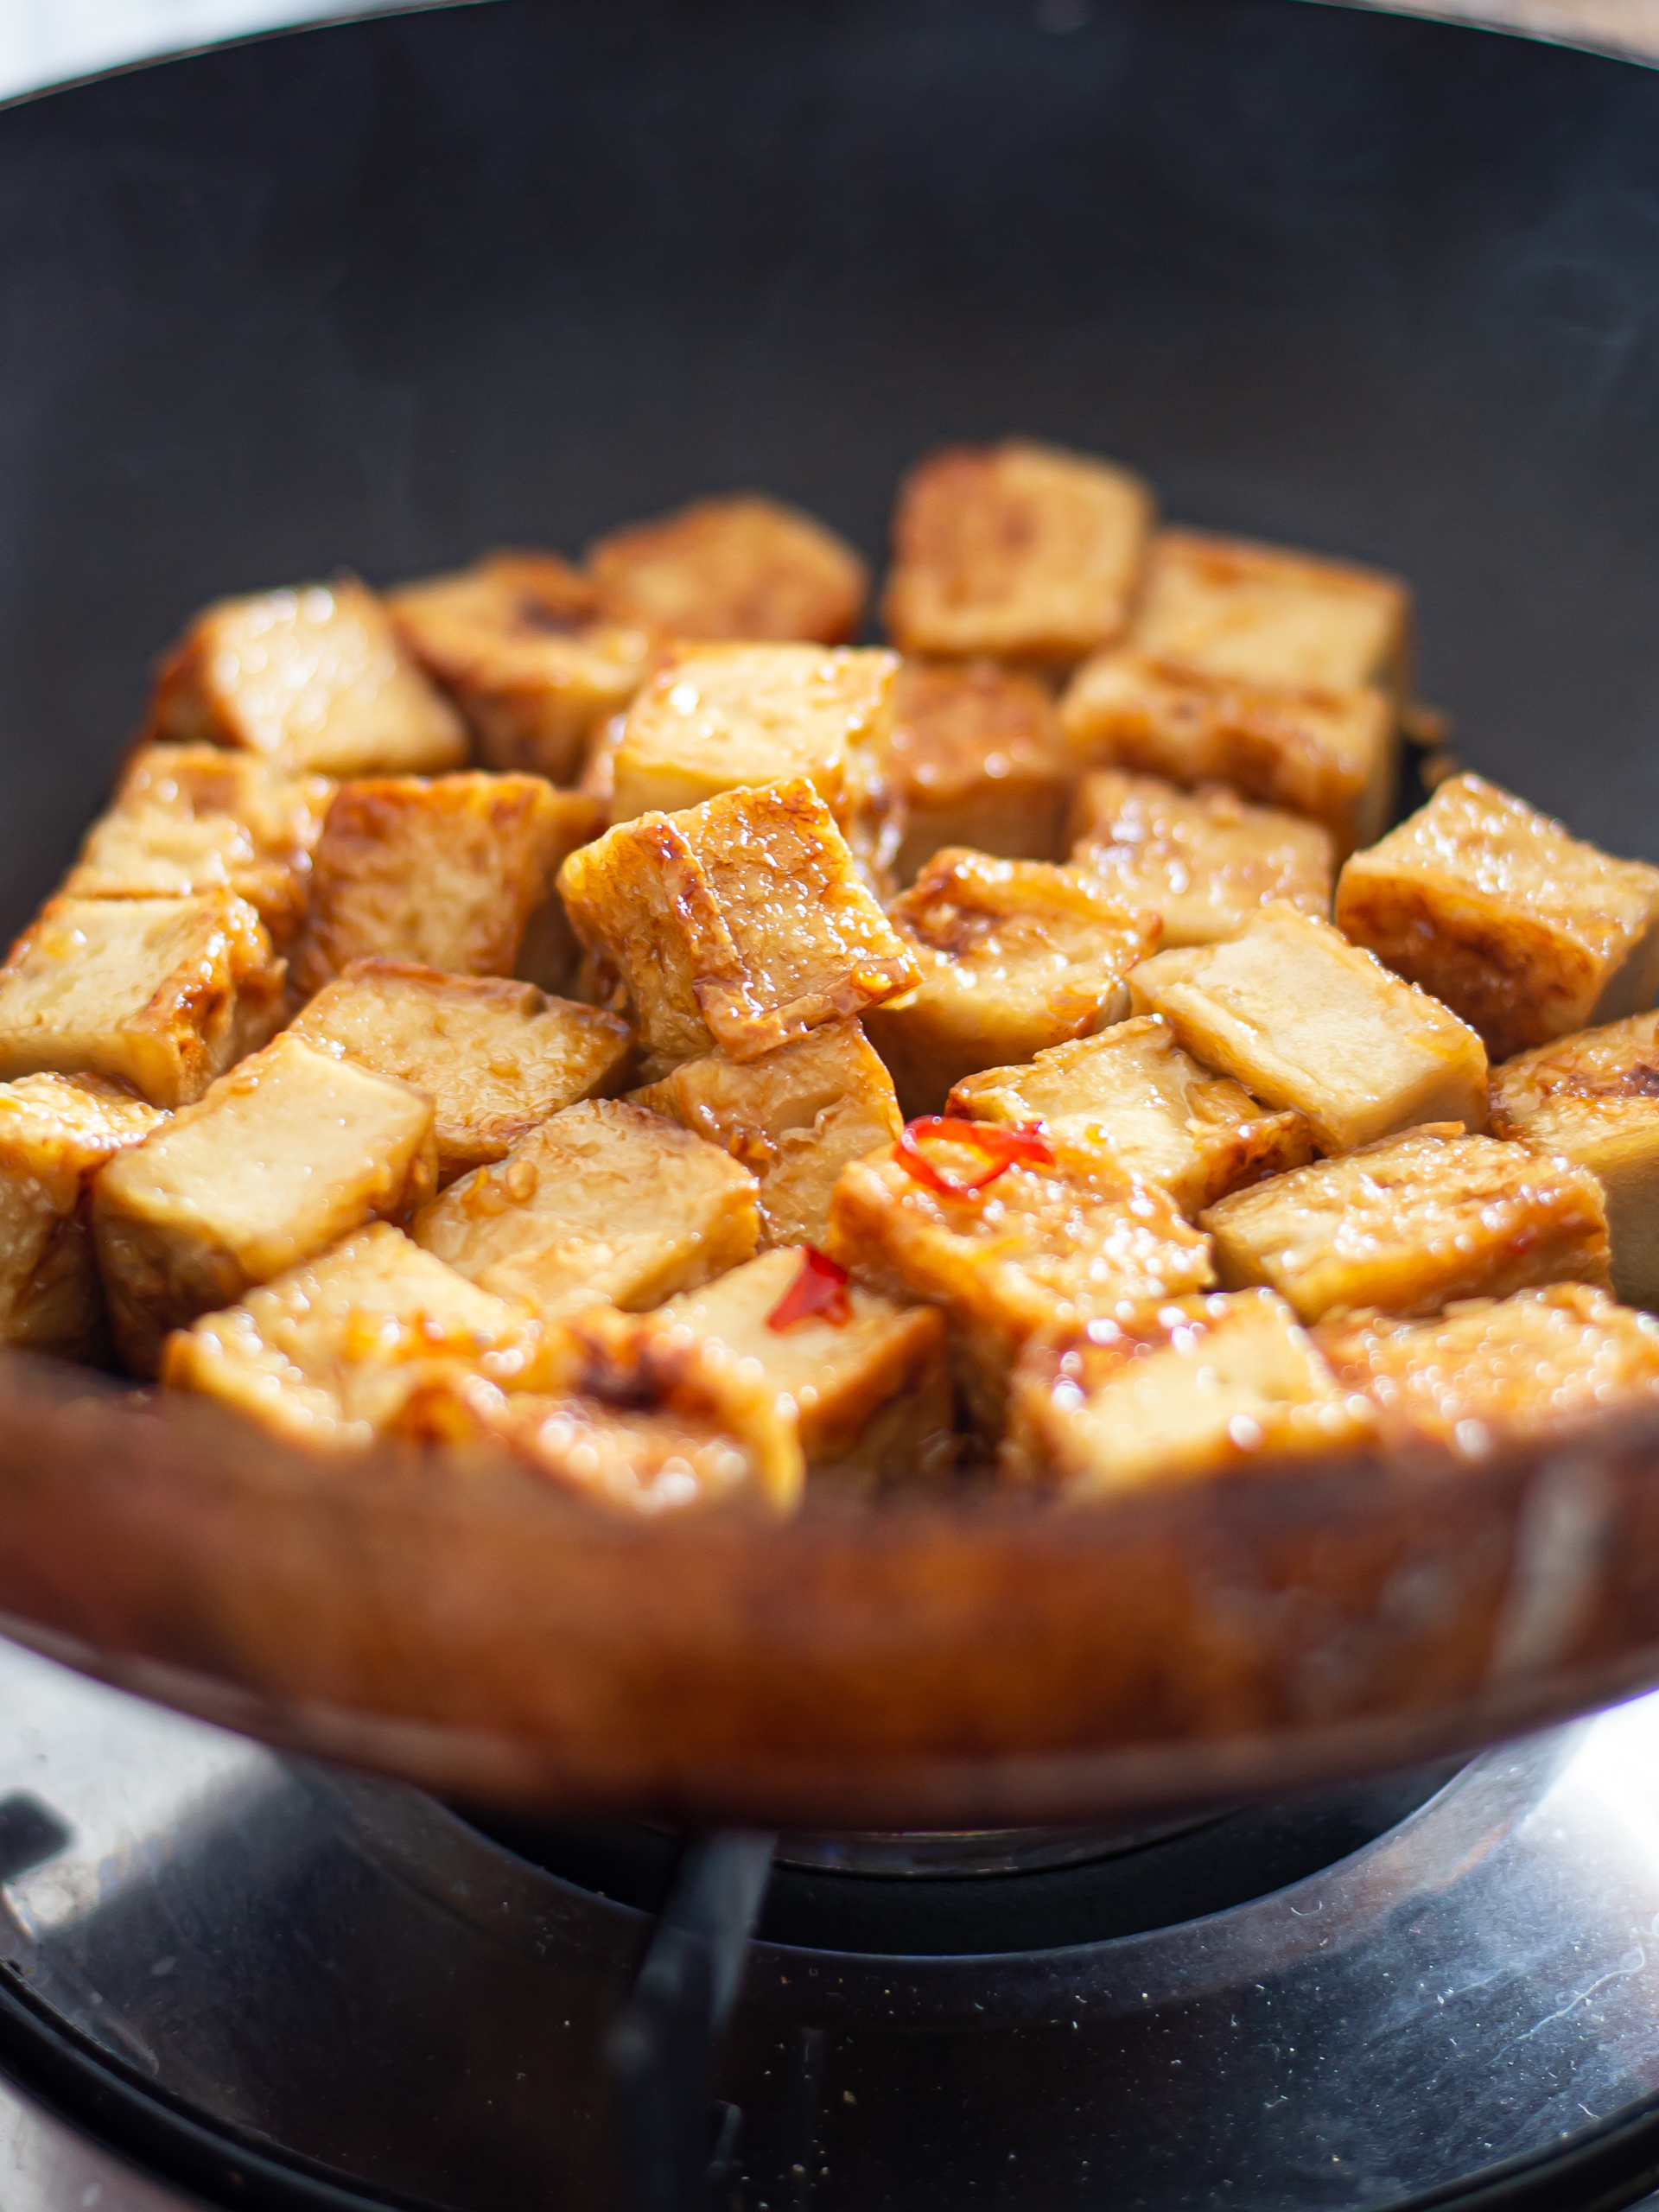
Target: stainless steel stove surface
282, 1987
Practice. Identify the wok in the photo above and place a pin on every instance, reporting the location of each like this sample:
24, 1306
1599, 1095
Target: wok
387, 293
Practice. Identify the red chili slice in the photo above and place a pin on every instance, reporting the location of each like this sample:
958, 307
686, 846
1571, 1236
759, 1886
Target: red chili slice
1000, 1148
819, 1292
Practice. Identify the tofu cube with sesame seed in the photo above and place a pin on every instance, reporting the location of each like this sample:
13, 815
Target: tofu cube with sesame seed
975, 757
737, 567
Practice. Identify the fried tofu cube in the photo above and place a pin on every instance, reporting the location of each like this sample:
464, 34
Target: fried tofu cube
1524, 930
1017, 550
1594, 1098
975, 757
56, 1131
605, 1200
1203, 861
867, 1388
1267, 614
314, 678
1039, 1242
1194, 1134
739, 923
1306, 1021
719, 716
738, 567
1016, 956
327, 1354
1411, 1222
516, 641
1193, 1391
285, 1156
1492, 1372
496, 1058
795, 1117
188, 818
161, 993
455, 872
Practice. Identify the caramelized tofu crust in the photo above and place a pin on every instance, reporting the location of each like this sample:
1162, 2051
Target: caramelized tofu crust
975, 757
189, 818
1493, 1372
1197, 1390
1016, 956
56, 1132
1407, 1225
1266, 614
1306, 1021
795, 1117
606, 1200
1132, 1089
313, 678
285, 1156
1523, 929
161, 993
1017, 550
1203, 862
455, 872
740, 567
517, 642
495, 1058
740, 925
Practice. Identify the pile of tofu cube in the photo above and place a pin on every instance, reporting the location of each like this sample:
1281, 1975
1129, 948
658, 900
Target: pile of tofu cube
599, 1017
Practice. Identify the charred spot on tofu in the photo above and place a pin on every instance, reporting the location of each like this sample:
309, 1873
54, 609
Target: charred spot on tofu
1524, 930
314, 678
975, 757
518, 642
1308, 1022
455, 872
796, 1117
606, 1200
1014, 956
1131, 1088
1197, 1388
1411, 1222
1017, 550
289, 1153
495, 1058
739, 567
739, 923
1203, 861
161, 993
1492, 1372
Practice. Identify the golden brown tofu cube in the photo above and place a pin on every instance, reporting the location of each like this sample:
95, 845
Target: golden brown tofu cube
1525, 932
196, 818
1017, 550
56, 1131
720, 716
864, 1383
1490, 1372
976, 758
161, 993
739, 923
1411, 1222
1269, 615
1202, 861
1016, 956
1043, 1239
285, 1156
1306, 1021
604, 1201
1196, 1135
455, 872
739, 567
518, 643
329, 1354
795, 1117
313, 678
1197, 1390
1595, 1098
495, 1058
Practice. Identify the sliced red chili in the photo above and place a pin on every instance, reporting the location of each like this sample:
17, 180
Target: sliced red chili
1000, 1148
818, 1294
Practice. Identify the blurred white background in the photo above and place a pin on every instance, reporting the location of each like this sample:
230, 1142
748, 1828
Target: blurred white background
44, 41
